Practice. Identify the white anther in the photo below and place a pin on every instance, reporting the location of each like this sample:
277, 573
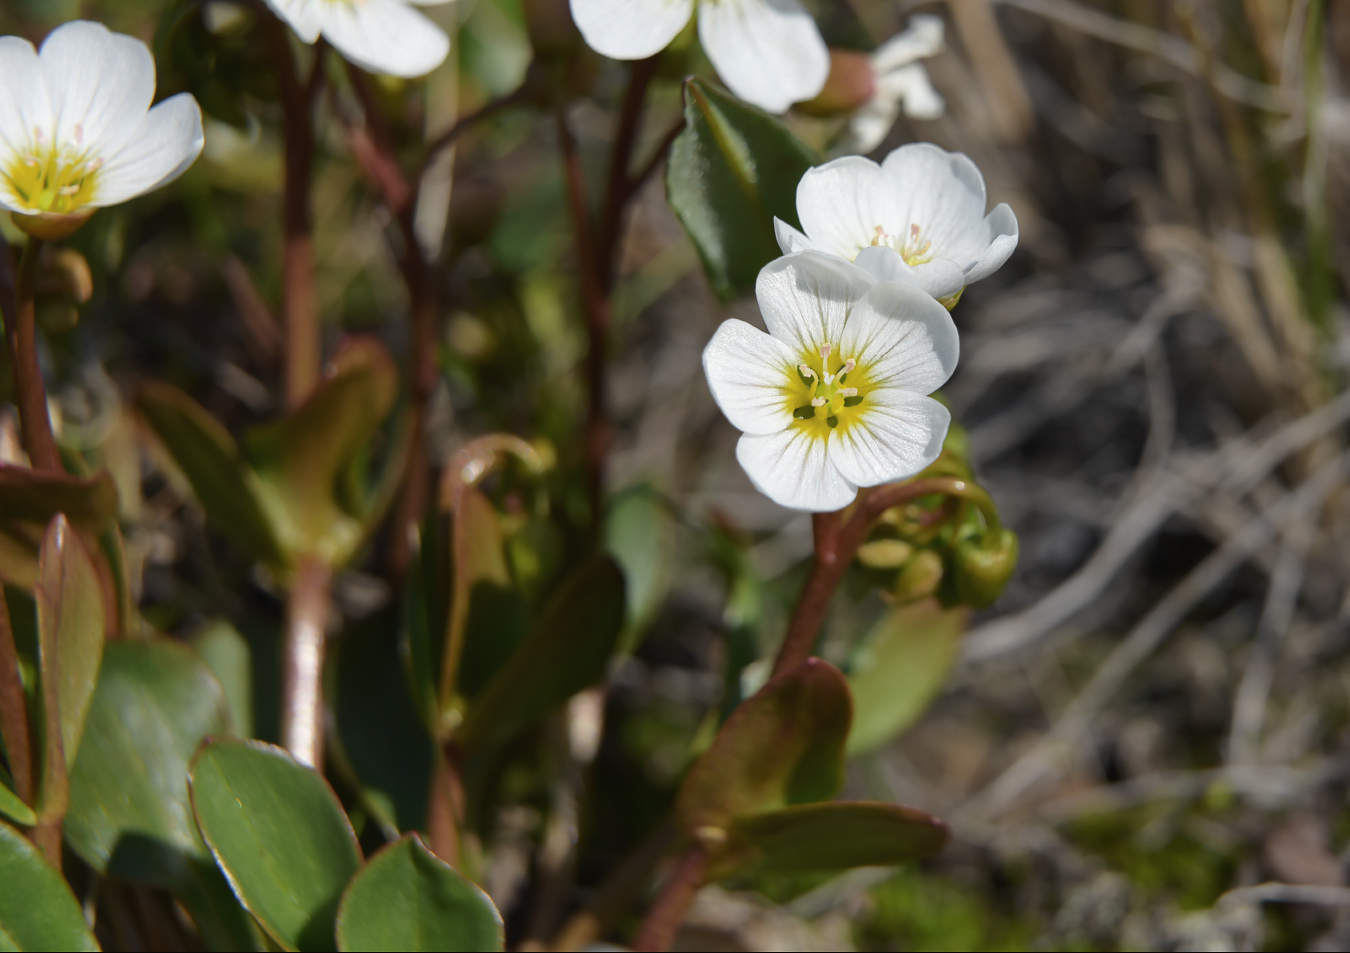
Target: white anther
848, 391
825, 350
819, 402
79, 134
68, 189
806, 372
39, 135
93, 165
849, 365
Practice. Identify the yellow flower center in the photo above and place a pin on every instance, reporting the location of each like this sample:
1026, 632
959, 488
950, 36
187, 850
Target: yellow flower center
825, 393
49, 178
915, 250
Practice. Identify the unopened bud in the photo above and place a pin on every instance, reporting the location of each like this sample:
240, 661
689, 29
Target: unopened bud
64, 273
885, 553
981, 568
920, 578
852, 83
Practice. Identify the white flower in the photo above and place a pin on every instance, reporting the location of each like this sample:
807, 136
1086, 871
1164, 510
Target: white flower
382, 36
917, 218
835, 396
768, 52
77, 131
901, 83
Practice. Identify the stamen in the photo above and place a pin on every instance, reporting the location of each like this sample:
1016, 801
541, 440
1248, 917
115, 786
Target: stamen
914, 232
848, 391
806, 371
825, 350
79, 134
94, 165
849, 365
39, 135
68, 189
819, 402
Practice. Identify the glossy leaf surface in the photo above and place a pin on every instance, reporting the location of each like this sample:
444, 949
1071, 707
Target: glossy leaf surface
309, 463
129, 813
37, 909
476, 559
227, 655
29, 500
906, 660
784, 745
638, 532
729, 173
278, 832
566, 651
71, 630
210, 459
14, 809
406, 898
832, 836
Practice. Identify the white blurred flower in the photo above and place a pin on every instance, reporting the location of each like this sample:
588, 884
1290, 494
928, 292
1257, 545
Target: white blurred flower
76, 129
901, 84
768, 52
918, 218
381, 36
835, 396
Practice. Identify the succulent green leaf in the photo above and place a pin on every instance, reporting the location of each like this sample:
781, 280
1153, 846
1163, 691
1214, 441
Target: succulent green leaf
129, 813
37, 909
835, 835
227, 655
638, 531
732, 170
71, 631
28, 501
566, 651
310, 464
904, 662
784, 745
477, 558
407, 898
14, 809
279, 834
210, 459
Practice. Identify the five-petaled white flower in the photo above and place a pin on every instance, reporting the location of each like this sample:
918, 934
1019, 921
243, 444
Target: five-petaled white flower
768, 52
902, 83
835, 396
382, 36
77, 131
917, 218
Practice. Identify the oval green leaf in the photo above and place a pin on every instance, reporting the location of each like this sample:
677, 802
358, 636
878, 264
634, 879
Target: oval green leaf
904, 663
732, 170
278, 832
129, 813
832, 836
566, 651
784, 745
14, 809
407, 898
37, 909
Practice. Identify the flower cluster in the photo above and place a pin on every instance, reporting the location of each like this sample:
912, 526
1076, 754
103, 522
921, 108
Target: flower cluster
835, 396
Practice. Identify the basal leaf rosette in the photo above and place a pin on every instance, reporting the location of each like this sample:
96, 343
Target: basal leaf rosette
77, 131
382, 36
917, 218
768, 52
835, 396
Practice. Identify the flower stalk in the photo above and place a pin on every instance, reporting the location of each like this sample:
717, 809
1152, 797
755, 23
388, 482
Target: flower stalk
667, 913
302, 685
30, 393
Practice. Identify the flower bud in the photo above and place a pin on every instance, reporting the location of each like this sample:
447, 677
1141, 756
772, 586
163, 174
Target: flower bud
885, 553
981, 568
852, 83
52, 226
920, 578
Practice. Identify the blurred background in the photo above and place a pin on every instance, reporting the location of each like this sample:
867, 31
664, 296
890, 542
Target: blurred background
1152, 722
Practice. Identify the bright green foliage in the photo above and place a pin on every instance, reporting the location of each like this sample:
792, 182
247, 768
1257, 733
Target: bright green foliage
638, 532
129, 813
406, 898
902, 665
831, 836
919, 911
783, 746
732, 170
565, 652
229, 658
14, 809
278, 832
37, 910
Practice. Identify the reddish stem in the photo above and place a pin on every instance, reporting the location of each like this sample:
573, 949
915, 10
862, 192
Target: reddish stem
837, 542
16, 300
14, 712
302, 686
667, 913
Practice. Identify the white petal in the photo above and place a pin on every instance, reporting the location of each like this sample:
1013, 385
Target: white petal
923, 37
100, 83
870, 124
167, 142
939, 278
943, 193
912, 87
385, 36
805, 298
746, 371
1002, 225
768, 52
789, 239
630, 29
905, 338
843, 202
304, 16
793, 469
897, 434
23, 106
